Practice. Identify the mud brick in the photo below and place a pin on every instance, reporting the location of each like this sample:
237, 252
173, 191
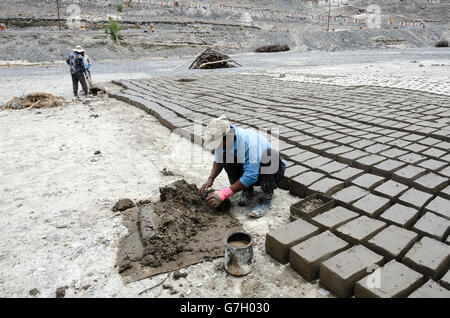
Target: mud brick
340, 273
434, 153
308, 178
443, 145
445, 281
371, 205
417, 148
431, 289
400, 143
400, 215
396, 281
415, 198
439, 206
334, 136
390, 189
289, 163
316, 162
408, 174
393, 153
290, 173
327, 186
368, 181
279, 241
311, 142
291, 152
433, 225
388, 167
377, 148
351, 156
350, 194
362, 143
445, 172
384, 139
338, 150
368, 161
300, 138
431, 183
432, 164
331, 167
282, 145
445, 192
332, 219
324, 146
348, 174
412, 158
301, 157
392, 242
429, 141
305, 258
360, 230
429, 257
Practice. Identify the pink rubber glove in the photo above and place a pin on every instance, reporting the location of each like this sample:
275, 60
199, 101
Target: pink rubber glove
225, 193
216, 198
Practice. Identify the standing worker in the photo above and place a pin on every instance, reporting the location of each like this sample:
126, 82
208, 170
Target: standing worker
248, 160
77, 69
87, 66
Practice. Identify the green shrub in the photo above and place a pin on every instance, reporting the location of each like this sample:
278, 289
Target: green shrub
113, 29
120, 7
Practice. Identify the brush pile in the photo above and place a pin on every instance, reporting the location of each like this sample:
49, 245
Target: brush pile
210, 59
272, 48
442, 43
34, 100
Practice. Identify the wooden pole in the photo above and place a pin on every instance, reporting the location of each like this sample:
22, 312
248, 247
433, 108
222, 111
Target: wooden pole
329, 14
59, 16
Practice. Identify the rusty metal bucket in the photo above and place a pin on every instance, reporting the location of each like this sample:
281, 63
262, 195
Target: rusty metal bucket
238, 253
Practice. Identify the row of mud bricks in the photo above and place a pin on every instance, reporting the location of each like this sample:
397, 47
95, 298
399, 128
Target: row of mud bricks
357, 229
354, 254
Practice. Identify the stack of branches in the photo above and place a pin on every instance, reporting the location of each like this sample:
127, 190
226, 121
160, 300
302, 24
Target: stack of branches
272, 48
34, 100
211, 59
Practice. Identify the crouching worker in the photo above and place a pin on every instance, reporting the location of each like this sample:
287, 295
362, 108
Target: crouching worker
248, 160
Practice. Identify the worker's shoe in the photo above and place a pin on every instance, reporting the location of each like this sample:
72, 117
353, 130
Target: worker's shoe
262, 207
246, 196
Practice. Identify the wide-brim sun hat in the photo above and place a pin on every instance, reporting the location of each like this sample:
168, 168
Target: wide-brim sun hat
215, 131
78, 49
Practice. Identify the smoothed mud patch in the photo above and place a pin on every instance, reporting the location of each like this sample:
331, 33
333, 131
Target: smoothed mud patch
177, 231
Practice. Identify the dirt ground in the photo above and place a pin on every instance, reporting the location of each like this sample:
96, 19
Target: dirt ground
57, 197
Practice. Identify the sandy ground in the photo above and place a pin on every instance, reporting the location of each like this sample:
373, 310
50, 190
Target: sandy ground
56, 195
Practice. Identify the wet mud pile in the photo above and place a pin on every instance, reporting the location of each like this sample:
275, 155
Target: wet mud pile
177, 231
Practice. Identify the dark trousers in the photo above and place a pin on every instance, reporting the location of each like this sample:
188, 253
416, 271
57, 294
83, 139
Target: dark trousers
269, 175
79, 77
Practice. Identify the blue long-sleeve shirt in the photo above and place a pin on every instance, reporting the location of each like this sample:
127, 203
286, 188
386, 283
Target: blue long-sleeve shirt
76, 63
248, 149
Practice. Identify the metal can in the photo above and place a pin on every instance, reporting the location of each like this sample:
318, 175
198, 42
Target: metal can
238, 253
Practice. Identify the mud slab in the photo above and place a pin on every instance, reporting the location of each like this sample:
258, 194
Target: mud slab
445, 281
396, 281
340, 273
279, 241
177, 231
431, 289
305, 258
429, 257
334, 218
393, 242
